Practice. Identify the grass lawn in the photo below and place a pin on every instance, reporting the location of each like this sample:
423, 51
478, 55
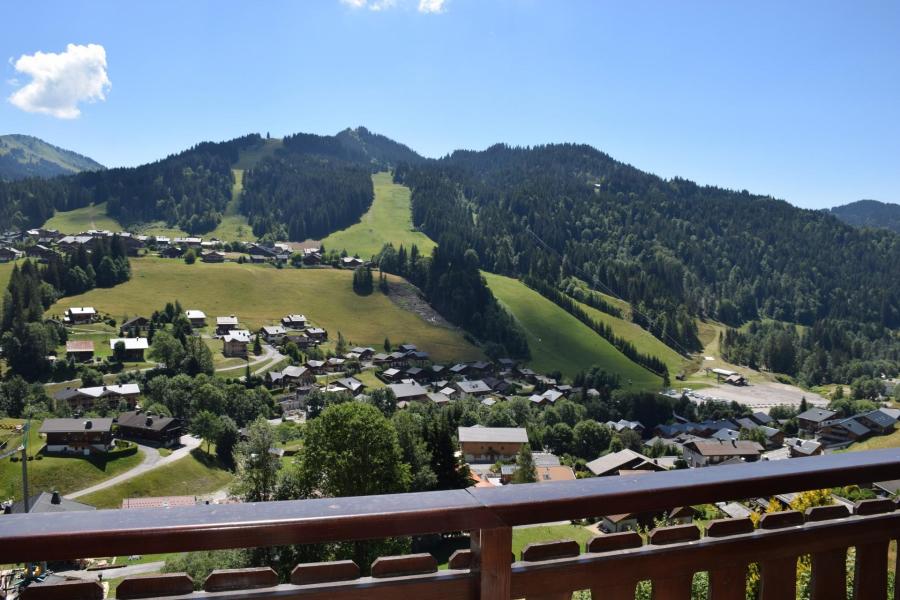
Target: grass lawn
642, 339
64, 474
82, 219
261, 294
388, 220
219, 360
368, 378
559, 341
877, 443
192, 475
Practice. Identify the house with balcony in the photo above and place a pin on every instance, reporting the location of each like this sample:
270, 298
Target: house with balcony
78, 436
147, 428
80, 315
490, 444
196, 317
132, 348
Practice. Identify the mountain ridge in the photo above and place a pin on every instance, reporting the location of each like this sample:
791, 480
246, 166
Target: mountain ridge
23, 156
869, 213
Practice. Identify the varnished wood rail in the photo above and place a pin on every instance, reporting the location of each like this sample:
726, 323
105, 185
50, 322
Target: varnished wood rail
611, 565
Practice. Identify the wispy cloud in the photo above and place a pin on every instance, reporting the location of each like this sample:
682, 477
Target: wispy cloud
431, 6
424, 6
60, 82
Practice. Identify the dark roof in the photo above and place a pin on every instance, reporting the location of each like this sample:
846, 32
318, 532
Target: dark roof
142, 420
816, 415
47, 502
851, 425
880, 418
761, 418
70, 425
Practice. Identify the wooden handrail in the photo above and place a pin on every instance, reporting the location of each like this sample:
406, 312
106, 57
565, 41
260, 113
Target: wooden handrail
144, 531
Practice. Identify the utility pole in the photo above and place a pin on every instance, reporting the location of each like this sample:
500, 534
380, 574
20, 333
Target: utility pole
24, 449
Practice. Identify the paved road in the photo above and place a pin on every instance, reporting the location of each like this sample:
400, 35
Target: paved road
152, 460
269, 355
139, 569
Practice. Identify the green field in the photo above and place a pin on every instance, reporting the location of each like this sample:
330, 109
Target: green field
642, 339
559, 341
261, 295
82, 219
192, 475
63, 474
388, 220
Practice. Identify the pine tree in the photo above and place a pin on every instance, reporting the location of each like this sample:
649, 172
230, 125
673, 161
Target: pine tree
526, 472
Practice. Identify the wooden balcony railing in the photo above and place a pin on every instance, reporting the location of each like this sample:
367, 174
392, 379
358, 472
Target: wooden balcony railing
609, 565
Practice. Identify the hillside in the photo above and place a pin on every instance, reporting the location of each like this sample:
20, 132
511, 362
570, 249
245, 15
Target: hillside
261, 295
559, 342
24, 156
388, 220
870, 213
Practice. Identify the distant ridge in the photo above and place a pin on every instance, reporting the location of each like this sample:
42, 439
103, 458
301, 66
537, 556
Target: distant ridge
23, 156
870, 213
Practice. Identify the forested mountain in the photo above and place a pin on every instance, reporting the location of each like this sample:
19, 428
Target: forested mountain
870, 213
23, 156
674, 249
188, 190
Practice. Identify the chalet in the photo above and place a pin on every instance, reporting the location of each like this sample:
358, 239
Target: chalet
39, 233
761, 418
142, 427
316, 366
8, 254
490, 444
472, 389
78, 315
135, 324
196, 317
298, 337
623, 425
407, 348
736, 379
799, 448
334, 364
551, 474
381, 358
682, 515
40, 252
188, 242
295, 375
71, 243
212, 257
704, 453
363, 353
293, 321
418, 356
623, 460
507, 364
351, 262
235, 343
437, 371
45, 502
417, 373
398, 359
351, 384
526, 374
86, 398
78, 436
273, 334
163, 240
226, 324
546, 397
840, 431
317, 333
774, 437
392, 374
813, 418
409, 391
437, 398
449, 392
172, 252
80, 350
312, 257
480, 369
458, 369
881, 421
133, 348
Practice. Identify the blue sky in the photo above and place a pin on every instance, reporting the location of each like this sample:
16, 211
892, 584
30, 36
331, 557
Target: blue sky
800, 100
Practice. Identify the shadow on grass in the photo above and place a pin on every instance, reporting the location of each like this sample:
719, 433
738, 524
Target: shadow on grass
210, 461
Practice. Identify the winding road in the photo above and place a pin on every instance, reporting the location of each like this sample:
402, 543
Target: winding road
152, 460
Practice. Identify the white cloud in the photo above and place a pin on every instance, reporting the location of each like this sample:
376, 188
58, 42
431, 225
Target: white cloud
431, 6
59, 82
425, 6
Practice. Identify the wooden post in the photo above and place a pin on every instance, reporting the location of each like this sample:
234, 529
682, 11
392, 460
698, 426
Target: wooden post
491, 553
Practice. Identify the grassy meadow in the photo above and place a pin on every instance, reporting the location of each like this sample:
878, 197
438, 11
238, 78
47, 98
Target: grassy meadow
559, 341
193, 475
82, 219
63, 474
388, 220
262, 294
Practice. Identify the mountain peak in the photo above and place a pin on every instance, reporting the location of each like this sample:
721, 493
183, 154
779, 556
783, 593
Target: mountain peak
24, 156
